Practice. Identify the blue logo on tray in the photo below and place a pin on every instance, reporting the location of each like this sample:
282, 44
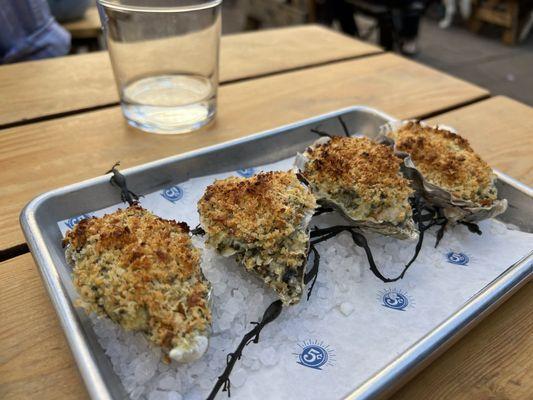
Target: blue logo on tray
246, 172
74, 220
395, 299
315, 354
173, 193
457, 258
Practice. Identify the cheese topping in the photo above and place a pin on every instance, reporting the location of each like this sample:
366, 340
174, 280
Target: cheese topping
263, 220
446, 160
144, 273
361, 176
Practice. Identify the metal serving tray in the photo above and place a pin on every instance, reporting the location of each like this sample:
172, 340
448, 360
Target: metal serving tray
39, 223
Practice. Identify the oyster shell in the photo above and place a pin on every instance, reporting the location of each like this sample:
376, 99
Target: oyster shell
361, 179
445, 169
263, 220
143, 273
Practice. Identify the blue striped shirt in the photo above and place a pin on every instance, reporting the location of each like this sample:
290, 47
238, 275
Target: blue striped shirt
29, 32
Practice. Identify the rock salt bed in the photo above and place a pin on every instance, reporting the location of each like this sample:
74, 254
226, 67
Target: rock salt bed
346, 308
239, 298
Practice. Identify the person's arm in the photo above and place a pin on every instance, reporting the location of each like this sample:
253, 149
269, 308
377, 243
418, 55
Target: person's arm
28, 32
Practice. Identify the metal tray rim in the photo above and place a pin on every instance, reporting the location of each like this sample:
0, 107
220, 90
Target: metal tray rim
382, 383
434, 343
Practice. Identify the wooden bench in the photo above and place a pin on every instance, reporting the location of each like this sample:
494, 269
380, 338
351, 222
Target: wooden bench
507, 14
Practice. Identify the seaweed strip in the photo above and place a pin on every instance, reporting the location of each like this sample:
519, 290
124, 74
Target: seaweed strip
199, 231
312, 274
119, 180
421, 213
320, 133
322, 210
325, 134
344, 127
474, 228
223, 381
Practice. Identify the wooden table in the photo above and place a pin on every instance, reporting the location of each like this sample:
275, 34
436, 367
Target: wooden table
88, 27
61, 124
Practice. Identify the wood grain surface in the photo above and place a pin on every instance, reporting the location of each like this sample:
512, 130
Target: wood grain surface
35, 360
38, 89
266, 51
87, 27
492, 362
501, 131
41, 156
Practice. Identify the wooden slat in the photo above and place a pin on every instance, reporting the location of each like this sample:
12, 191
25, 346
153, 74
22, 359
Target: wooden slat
38, 157
493, 361
38, 89
268, 51
501, 131
87, 27
35, 360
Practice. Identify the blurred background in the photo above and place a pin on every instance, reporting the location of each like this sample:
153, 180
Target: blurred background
487, 42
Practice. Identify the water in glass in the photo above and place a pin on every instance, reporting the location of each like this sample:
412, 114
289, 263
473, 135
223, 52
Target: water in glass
165, 60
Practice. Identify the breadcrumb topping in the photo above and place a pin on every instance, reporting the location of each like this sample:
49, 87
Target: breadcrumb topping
143, 272
361, 175
446, 160
262, 219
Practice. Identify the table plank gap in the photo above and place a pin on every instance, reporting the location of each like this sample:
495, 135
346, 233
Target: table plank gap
55, 116
500, 130
14, 251
34, 89
237, 80
303, 67
458, 106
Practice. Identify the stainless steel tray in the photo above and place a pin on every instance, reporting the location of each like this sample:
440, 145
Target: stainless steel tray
39, 223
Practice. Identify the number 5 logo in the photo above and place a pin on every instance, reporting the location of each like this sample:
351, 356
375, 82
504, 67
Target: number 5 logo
313, 356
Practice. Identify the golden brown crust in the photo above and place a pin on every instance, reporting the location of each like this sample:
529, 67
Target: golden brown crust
446, 160
262, 208
362, 175
263, 220
143, 272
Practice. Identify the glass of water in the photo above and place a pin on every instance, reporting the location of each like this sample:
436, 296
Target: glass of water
165, 60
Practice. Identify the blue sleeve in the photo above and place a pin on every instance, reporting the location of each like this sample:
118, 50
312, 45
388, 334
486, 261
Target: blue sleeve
29, 32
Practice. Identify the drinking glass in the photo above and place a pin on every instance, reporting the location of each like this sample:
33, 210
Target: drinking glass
164, 55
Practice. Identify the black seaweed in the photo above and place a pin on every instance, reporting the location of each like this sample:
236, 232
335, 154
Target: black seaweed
322, 210
119, 181
312, 274
344, 127
198, 231
320, 133
223, 381
359, 239
474, 228
325, 134
424, 216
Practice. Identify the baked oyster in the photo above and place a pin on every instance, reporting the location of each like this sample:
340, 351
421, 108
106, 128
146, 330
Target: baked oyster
446, 169
143, 272
263, 220
361, 179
